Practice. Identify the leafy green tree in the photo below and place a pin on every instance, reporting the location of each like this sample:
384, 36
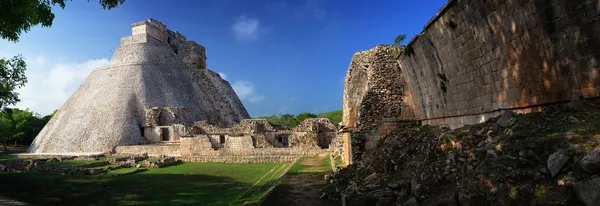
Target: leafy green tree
17, 16
20, 126
302, 116
290, 121
334, 116
12, 77
14, 124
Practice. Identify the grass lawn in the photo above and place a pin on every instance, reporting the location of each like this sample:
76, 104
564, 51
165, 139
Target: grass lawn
180, 184
302, 183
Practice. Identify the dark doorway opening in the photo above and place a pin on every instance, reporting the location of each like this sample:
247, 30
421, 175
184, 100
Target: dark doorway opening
142, 131
283, 140
164, 134
222, 139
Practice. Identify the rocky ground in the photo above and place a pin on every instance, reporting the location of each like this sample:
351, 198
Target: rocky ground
545, 158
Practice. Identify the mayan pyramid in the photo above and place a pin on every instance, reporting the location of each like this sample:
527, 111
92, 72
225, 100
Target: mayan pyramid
153, 68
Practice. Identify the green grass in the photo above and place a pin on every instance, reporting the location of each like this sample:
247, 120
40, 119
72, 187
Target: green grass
180, 184
311, 165
122, 171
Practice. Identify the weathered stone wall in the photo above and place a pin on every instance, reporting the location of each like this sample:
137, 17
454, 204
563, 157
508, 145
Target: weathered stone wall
374, 88
191, 145
499, 55
473, 60
154, 149
239, 142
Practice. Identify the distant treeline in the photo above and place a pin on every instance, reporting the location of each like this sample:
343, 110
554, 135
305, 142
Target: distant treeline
19, 127
290, 121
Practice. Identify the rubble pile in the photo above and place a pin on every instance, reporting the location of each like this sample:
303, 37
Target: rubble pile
545, 158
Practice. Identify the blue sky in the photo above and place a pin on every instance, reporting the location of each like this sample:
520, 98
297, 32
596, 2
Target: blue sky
281, 56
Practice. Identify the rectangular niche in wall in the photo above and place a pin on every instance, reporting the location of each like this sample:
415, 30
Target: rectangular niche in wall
164, 134
222, 139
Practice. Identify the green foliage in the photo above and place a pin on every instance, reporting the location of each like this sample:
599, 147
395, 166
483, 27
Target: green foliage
289, 120
20, 126
334, 116
12, 77
17, 16
399, 39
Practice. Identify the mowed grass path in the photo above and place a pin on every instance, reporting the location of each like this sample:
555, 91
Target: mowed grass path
181, 184
302, 183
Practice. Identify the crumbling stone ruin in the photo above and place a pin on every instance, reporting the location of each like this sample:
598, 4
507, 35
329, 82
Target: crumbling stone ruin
153, 90
245, 141
473, 61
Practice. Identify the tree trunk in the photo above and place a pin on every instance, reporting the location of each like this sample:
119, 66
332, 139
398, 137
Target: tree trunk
4, 144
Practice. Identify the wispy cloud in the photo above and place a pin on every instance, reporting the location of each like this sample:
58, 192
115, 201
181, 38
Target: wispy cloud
247, 29
50, 84
246, 91
223, 76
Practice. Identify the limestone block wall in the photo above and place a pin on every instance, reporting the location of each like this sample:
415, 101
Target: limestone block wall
473, 60
477, 58
239, 142
154, 150
374, 88
190, 145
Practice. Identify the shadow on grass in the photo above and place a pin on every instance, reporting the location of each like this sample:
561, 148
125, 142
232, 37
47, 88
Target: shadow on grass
180, 184
140, 189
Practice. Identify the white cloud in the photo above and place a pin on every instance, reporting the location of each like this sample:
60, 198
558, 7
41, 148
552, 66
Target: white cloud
247, 29
51, 84
223, 76
245, 91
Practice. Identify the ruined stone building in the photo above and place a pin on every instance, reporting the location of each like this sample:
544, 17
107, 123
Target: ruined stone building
157, 97
154, 88
250, 140
473, 61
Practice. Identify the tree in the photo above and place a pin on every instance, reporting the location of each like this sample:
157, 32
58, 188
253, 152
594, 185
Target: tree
302, 116
399, 39
17, 16
14, 125
12, 77
334, 116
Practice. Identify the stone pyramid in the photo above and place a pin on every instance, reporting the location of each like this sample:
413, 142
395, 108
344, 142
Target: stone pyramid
153, 68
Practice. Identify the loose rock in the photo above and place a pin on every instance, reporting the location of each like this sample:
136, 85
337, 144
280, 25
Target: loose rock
556, 161
574, 120
507, 119
591, 163
576, 101
588, 191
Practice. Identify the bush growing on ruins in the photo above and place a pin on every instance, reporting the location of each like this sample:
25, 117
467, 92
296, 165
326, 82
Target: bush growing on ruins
399, 39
